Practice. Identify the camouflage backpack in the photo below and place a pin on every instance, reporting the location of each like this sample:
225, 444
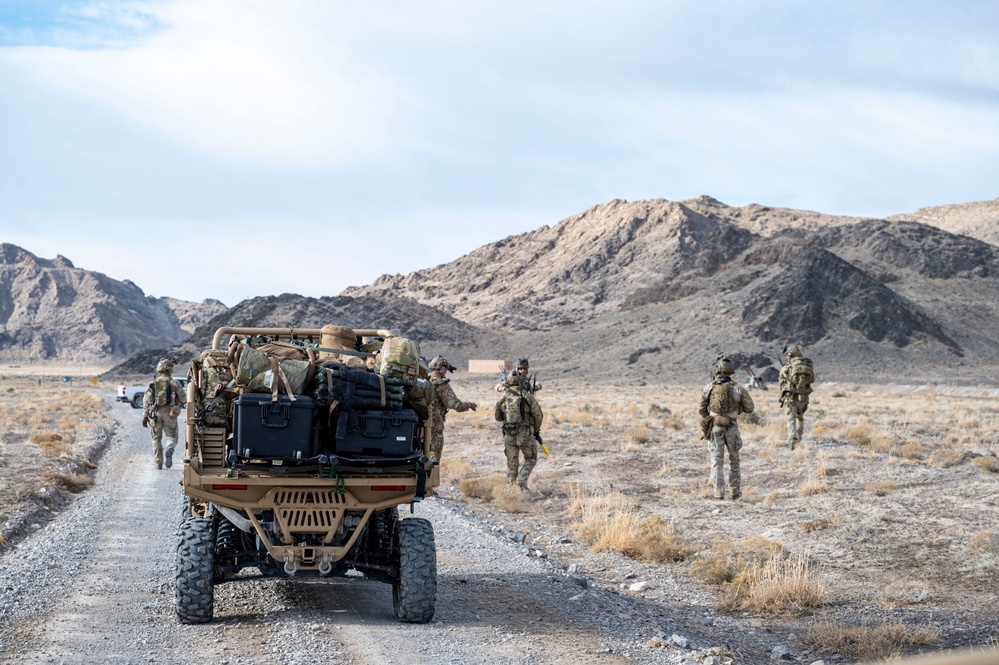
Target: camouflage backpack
720, 400
399, 357
163, 392
801, 376
213, 378
514, 409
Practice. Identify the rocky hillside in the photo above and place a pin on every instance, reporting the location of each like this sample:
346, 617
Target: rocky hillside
433, 329
663, 287
52, 311
979, 219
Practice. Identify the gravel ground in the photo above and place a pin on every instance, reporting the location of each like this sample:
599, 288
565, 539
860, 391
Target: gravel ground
93, 583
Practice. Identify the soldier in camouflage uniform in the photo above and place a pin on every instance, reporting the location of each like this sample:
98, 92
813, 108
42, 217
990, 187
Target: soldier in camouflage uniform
161, 405
523, 365
521, 416
794, 402
722, 401
444, 400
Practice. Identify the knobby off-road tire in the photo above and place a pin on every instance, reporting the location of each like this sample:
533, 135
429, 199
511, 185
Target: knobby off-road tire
137, 401
194, 595
414, 597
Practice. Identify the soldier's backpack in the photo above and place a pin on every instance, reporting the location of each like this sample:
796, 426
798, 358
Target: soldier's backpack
213, 375
720, 402
163, 392
514, 409
801, 376
399, 357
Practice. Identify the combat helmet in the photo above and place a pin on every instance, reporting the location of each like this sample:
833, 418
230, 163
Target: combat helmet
165, 365
724, 366
792, 351
523, 364
440, 364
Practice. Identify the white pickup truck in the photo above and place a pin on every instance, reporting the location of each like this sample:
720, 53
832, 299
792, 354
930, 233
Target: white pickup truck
134, 394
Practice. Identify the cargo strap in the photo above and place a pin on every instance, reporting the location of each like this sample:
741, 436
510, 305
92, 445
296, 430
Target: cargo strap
280, 379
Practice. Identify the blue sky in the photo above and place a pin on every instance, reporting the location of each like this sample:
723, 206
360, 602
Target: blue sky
308, 145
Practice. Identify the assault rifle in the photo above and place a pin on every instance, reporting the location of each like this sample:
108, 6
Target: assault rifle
530, 384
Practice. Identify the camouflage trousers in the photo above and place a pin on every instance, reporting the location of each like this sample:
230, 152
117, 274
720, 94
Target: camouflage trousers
520, 443
794, 410
437, 438
725, 439
163, 425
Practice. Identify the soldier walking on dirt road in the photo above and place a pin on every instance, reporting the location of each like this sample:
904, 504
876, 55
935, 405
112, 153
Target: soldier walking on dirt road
161, 406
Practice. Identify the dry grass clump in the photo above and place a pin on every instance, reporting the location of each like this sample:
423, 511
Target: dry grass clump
674, 423
914, 451
719, 565
638, 435
511, 498
482, 487
983, 542
813, 486
39, 419
946, 458
820, 430
818, 524
987, 463
866, 642
52, 443
867, 436
968, 423
454, 469
780, 586
725, 561
71, 482
882, 487
773, 498
609, 522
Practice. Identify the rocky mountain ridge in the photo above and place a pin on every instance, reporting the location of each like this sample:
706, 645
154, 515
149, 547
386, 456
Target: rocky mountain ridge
654, 290
52, 311
681, 282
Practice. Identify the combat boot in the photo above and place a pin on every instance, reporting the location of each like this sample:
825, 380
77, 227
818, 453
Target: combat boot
168, 458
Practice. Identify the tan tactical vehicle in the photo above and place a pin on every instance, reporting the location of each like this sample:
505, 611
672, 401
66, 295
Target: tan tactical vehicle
306, 486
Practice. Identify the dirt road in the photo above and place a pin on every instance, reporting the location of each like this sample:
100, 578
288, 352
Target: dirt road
94, 584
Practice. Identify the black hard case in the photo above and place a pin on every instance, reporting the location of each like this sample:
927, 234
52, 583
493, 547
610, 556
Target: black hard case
265, 429
375, 433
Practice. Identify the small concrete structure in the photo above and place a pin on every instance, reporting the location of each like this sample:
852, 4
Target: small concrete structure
489, 366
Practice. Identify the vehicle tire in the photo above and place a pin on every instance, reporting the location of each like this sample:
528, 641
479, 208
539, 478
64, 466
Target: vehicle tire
414, 596
194, 595
137, 401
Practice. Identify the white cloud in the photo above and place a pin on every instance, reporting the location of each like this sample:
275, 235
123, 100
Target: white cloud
240, 81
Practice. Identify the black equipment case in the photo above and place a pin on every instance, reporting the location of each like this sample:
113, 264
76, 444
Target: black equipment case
265, 429
376, 433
